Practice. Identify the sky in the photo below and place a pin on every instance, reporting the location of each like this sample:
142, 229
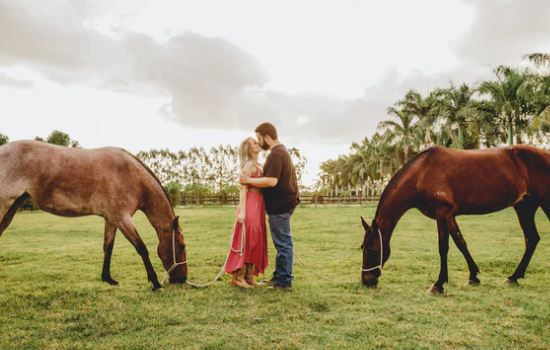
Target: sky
179, 74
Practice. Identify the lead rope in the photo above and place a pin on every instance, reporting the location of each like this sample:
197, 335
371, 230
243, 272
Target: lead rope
241, 250
319, 275
340, 281
243, 242
229, 250
381, 255
174, 264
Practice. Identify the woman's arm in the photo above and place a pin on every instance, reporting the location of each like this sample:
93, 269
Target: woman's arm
246, 171
242, 203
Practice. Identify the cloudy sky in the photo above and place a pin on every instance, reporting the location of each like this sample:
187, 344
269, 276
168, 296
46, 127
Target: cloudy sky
177, 74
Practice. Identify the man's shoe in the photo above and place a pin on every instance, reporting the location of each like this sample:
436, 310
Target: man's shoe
280, 286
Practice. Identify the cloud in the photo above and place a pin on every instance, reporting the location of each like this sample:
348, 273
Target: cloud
209, 79
6, 80
503, 31
210, 82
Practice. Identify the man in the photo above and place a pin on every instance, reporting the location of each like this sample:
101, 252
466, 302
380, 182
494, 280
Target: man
280, 190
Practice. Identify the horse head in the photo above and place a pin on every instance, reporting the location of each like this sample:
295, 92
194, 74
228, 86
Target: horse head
171, 251
375, 254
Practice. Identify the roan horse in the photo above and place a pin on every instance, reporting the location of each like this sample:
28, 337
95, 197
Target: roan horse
443, 183
108, 182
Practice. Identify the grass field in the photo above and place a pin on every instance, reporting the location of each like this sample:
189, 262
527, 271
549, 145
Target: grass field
51, 296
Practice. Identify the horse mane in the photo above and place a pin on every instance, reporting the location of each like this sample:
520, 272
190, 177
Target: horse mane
399, 174
167, 197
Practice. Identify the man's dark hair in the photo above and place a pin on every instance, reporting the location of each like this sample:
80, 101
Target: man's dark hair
267, 129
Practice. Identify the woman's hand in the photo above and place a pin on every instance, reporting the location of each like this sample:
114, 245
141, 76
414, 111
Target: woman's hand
242, 216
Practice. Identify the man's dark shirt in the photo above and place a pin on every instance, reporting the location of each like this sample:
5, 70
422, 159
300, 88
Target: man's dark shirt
284, 196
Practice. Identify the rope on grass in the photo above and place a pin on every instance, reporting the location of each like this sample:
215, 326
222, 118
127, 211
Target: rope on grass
321, 276
229, 250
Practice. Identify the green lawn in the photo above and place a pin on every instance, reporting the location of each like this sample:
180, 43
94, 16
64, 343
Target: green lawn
51, 296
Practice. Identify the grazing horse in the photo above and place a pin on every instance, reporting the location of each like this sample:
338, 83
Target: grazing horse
443, 183
108, 182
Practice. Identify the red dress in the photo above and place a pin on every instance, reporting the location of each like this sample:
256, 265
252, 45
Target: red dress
253, 248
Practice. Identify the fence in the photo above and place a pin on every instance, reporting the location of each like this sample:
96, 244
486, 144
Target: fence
305, 199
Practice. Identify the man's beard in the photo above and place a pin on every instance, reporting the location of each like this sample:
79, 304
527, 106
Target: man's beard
265, 146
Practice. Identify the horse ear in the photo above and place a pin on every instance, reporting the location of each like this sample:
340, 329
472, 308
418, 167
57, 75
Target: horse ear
176, 223
365, 225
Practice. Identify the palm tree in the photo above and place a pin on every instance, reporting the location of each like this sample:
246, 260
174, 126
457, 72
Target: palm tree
541, 60
457, 110
333, 171
426, 109
405, 130
541, 123
360, 162
512, 102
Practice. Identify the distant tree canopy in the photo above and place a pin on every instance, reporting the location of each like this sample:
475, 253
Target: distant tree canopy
59, 138
4, 139
200, 171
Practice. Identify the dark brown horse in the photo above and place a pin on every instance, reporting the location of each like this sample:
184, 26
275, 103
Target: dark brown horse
107, 182
443, 183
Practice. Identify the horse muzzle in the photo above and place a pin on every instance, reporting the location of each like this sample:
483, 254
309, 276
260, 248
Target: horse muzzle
370, 283
370, 279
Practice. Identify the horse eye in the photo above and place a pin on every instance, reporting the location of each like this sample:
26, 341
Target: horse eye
182, 247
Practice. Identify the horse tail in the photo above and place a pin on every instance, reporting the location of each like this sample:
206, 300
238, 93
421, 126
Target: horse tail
8, 217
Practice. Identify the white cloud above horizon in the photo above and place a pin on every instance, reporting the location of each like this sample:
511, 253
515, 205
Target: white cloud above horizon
175, 74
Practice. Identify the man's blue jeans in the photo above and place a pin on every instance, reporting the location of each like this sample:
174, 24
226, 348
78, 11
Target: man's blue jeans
282, 239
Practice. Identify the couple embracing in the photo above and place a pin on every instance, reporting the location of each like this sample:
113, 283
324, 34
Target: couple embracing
272, 188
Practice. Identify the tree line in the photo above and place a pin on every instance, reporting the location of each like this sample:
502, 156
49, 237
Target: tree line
56, 137
511, 108
199, 171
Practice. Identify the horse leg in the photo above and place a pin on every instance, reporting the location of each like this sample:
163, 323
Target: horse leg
9, 209
526, 210
4, 222
461, 245
443, 237
129, 230
108, 243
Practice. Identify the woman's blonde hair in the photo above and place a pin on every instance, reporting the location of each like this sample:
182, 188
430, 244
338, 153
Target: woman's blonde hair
244, 151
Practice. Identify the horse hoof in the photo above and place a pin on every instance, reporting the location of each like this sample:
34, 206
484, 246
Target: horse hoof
111, 281
157, 289
435, 290
474, 282
510, 282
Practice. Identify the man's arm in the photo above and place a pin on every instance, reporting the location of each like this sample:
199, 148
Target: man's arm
272, 172
261, 182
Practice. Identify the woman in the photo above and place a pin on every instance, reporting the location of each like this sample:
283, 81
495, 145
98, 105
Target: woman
248, 252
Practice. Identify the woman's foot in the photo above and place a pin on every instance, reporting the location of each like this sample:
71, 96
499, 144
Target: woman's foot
238, 279
250, 278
